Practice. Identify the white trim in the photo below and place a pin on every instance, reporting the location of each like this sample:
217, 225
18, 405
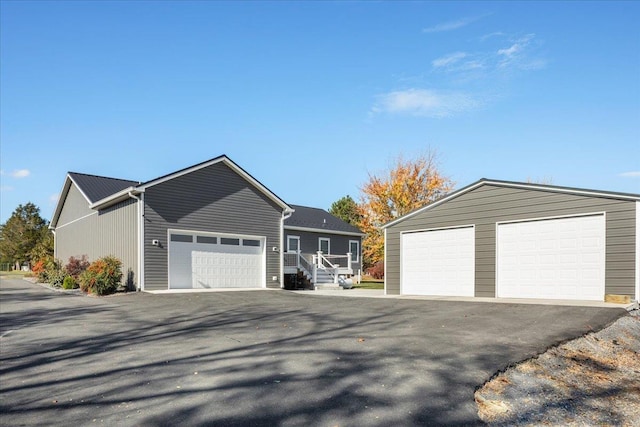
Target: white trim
79, 189
141, 251
545, 218
237, 169
357, 242
194, 233
638, 252
482, 182
68, 181
290, 236
328, 239
426, 230
453, 227
323, 230
385, 265
283, 217
114, 198
76, 220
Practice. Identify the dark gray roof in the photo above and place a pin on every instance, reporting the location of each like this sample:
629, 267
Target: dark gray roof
98, 187
307, 217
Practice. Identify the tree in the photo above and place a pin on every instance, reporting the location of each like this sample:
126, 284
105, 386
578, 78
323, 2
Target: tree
347, 210
22, 232
406, 186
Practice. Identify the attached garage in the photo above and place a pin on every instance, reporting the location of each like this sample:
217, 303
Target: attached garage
209, 261
518, 240
438, 262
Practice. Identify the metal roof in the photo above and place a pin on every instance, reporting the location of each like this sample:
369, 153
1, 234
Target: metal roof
521, 185
98, 187
318, 219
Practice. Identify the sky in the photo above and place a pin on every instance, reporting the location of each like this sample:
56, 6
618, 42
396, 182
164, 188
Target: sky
312, 98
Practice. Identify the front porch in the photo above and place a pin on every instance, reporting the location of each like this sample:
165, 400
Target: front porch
321, 269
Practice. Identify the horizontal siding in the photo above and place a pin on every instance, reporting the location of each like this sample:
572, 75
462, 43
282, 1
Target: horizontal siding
111, 231
75, 206
488, 204
211, 199
309, 243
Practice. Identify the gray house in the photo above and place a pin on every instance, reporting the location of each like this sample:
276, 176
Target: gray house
211, 225
320, 247
517, 240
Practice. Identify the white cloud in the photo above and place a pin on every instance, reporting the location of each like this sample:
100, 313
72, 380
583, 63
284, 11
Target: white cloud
18, 173
632, 174
514, 55
448, 60
54, 198
6, 188
424, 103
452, 25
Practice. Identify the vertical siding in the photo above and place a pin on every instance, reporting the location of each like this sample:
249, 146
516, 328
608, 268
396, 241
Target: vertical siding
488, 204
111, 231
212, 199
309, 243
75, 206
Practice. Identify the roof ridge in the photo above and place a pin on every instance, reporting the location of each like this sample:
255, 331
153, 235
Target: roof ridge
102, 176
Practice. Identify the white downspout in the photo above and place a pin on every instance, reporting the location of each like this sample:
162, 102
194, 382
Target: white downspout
140, 245
285, 214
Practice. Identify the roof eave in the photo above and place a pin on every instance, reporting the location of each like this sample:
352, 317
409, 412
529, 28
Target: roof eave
523, 185
324, 230
115, 198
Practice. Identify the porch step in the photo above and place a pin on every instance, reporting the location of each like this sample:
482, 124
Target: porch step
333, 286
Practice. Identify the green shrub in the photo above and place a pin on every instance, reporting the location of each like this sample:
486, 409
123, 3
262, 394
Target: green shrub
102, 277
69, 283
53, 274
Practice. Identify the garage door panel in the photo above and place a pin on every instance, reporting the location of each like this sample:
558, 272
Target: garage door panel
438, 262
216, 264
556, 258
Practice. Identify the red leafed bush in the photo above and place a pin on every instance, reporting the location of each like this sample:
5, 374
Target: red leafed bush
76, 266
38, 267
377, 271
102, 277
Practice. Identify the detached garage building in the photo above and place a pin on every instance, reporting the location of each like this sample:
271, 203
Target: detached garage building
517, 240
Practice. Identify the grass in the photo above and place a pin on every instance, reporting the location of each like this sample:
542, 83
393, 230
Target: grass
14, 273
370, 284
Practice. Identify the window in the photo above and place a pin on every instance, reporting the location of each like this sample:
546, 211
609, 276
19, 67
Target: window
324, 245
228, 241
250, 242
181, 238
207, 239
354, 248
293, 243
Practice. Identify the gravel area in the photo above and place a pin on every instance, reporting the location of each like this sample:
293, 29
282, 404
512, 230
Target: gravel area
592, 380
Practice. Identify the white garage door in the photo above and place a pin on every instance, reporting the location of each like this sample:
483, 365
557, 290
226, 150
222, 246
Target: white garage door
438, 262
206, 261
556, 259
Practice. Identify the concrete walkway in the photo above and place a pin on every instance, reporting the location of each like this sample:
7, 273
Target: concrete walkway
379, 293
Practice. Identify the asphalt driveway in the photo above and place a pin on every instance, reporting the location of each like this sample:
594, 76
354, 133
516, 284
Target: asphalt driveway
260, 358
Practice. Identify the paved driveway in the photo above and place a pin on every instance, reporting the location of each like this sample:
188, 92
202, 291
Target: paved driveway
260, 357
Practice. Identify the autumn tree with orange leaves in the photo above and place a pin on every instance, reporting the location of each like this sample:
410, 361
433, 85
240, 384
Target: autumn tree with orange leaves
406, 186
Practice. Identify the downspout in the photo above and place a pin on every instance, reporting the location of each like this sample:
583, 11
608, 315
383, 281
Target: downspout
140, 244
285, 214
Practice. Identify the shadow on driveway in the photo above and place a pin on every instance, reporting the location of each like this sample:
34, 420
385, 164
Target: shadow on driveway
261, 358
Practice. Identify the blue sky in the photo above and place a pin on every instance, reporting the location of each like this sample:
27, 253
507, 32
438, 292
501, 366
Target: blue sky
311, 97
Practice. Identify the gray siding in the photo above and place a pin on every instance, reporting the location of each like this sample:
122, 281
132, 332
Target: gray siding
488, 204
75, 206
309, 243
213, 199
112, 231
